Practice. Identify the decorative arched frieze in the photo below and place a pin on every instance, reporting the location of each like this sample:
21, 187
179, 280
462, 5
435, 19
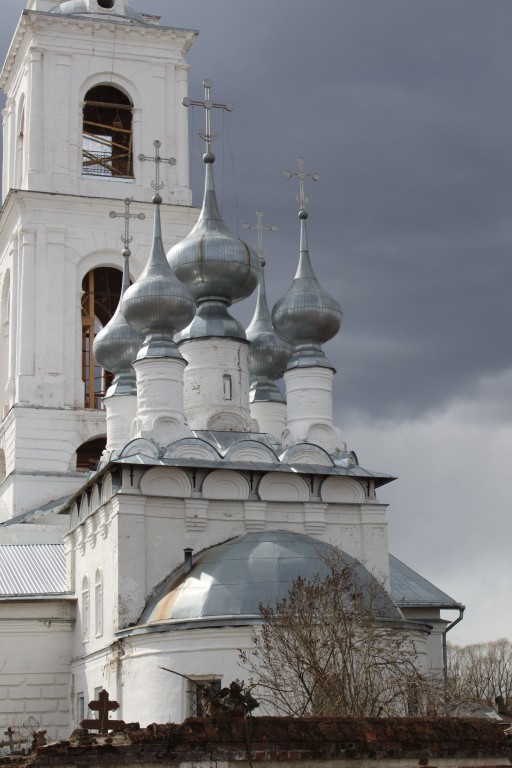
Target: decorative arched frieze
107, 489
191, 448
140, 446
166, 481
227, 422
225, 484
342, 490
306, 453
94, 501
281, 486
251, 450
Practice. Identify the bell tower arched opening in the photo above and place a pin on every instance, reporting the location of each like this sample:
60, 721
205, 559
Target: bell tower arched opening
107, 145
101, 291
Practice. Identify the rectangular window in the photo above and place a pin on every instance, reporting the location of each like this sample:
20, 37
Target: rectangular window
80, 708
198, 694
228, 387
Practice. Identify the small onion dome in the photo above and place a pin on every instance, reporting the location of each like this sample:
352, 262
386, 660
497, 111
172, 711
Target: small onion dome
116, 345
307, 315
218, 267
158, 304
268, 353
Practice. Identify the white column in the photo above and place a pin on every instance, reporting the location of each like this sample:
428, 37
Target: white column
181, 130
310, 411
35, 116
26, 316
121, 411
160, 400
271, 417
216, 383
7, 124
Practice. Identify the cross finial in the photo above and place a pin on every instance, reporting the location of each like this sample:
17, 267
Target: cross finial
261, 229
103, 706
208, 105
301, 175
127, 238
157, 184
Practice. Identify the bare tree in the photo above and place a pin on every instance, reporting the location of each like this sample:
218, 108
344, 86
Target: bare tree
338, 646
482, 671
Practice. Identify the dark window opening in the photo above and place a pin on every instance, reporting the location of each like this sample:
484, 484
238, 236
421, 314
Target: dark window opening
197, 704
101, 291
107, 132
89, 454
106, 3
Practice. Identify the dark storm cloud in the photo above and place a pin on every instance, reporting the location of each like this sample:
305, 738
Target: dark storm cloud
404, 109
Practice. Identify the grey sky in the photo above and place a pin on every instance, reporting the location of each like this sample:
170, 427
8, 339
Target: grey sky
404, 108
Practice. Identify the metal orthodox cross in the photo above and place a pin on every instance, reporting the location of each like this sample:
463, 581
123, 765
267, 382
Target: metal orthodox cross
261, 229
208, 105
157, 184
127, 238
103, 706
301, 176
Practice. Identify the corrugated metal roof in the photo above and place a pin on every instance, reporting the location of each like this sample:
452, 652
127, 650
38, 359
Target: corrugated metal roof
32, 569
410, 590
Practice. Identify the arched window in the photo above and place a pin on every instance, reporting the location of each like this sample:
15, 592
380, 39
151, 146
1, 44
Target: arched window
89, 453
101, 290
107, 133
98, 603
85, 608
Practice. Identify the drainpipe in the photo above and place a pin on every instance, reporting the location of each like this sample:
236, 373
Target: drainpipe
462, 608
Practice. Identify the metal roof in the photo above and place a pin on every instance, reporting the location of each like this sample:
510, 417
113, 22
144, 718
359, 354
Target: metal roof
232, 579
410, 590
32, 569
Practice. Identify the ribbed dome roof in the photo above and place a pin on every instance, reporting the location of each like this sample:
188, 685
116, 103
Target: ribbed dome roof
268, 353
117, 344
307, 315
229, 581
217, 266
98, 8
158, 304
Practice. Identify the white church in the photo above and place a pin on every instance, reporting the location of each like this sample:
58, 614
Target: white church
156, 483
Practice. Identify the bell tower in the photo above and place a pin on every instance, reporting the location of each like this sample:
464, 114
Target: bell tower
90, 84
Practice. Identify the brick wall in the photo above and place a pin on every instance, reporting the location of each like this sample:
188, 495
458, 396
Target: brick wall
333, 742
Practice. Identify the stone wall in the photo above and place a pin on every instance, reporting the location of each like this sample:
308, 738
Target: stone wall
333, 742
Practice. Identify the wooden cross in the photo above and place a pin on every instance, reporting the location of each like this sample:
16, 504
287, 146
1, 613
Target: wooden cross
301, 175
259, 226
208, 105
127, 238
103, 706
157, 184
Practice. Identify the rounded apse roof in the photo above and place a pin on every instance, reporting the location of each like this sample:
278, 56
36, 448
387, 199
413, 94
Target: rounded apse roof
228, 582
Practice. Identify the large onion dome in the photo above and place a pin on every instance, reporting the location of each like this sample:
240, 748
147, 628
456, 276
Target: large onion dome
217, 266
268, 353
307, 315
158, 304
116, 345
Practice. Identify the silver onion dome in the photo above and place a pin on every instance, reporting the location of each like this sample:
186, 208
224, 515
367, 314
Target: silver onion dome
268, 353
307, 315
217, 266
116, 345
158, 304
